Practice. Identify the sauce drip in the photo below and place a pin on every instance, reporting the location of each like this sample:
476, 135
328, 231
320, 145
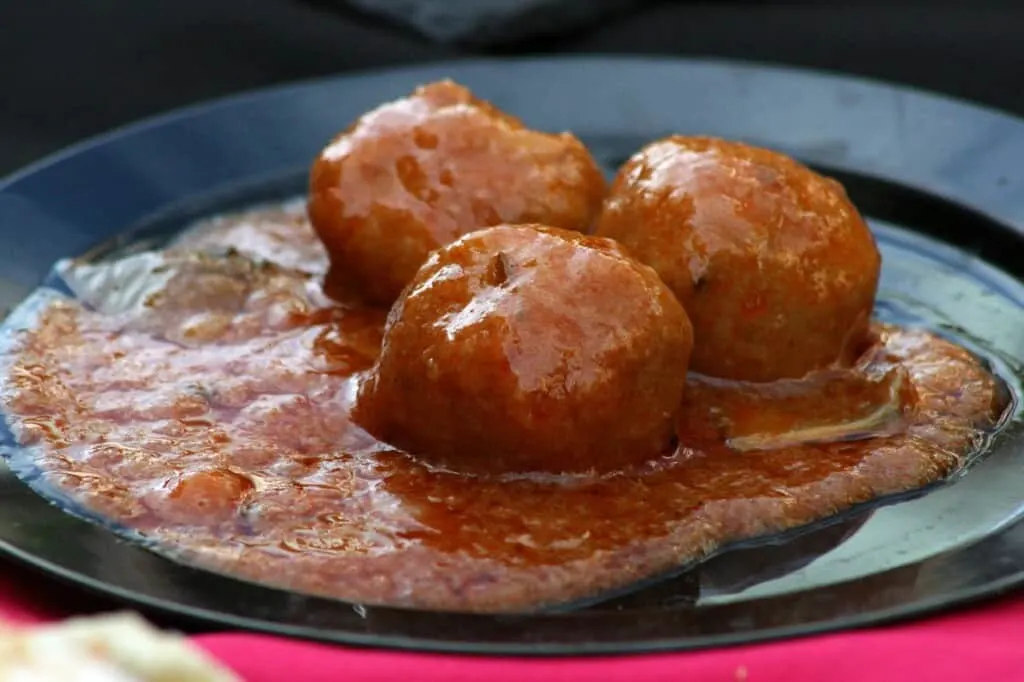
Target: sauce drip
212, 416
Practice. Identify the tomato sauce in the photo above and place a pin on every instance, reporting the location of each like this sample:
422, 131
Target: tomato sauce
213, 418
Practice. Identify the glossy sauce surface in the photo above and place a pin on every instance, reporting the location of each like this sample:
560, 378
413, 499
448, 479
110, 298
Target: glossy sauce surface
770, 259
212, 415
416, 173
525, 349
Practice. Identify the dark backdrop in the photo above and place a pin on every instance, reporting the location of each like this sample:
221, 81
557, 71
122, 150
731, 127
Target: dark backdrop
72, 68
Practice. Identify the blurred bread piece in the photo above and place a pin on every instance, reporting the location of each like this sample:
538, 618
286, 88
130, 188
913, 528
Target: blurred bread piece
119, 647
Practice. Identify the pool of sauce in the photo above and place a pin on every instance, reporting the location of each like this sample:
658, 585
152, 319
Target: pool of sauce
211, 416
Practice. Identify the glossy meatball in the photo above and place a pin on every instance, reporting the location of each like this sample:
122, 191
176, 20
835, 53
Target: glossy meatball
524, 348
419, 172
775, 267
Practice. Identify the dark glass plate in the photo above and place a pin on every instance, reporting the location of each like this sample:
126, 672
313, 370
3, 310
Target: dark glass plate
939, 180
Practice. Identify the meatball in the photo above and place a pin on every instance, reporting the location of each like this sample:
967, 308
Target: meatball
772, 262
530, 349
417, 173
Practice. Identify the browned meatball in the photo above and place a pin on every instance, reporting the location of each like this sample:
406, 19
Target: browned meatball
775, 267
524, 348
417, 173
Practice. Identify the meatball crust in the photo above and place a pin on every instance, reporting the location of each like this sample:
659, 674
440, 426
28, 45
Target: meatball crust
530, 349
772, 262
419, 172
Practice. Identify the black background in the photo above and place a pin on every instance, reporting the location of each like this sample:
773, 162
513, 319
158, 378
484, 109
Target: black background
73, 68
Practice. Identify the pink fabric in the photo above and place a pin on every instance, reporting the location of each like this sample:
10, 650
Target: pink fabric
984, 643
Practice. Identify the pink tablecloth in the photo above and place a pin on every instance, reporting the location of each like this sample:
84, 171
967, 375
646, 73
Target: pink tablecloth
984, 643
